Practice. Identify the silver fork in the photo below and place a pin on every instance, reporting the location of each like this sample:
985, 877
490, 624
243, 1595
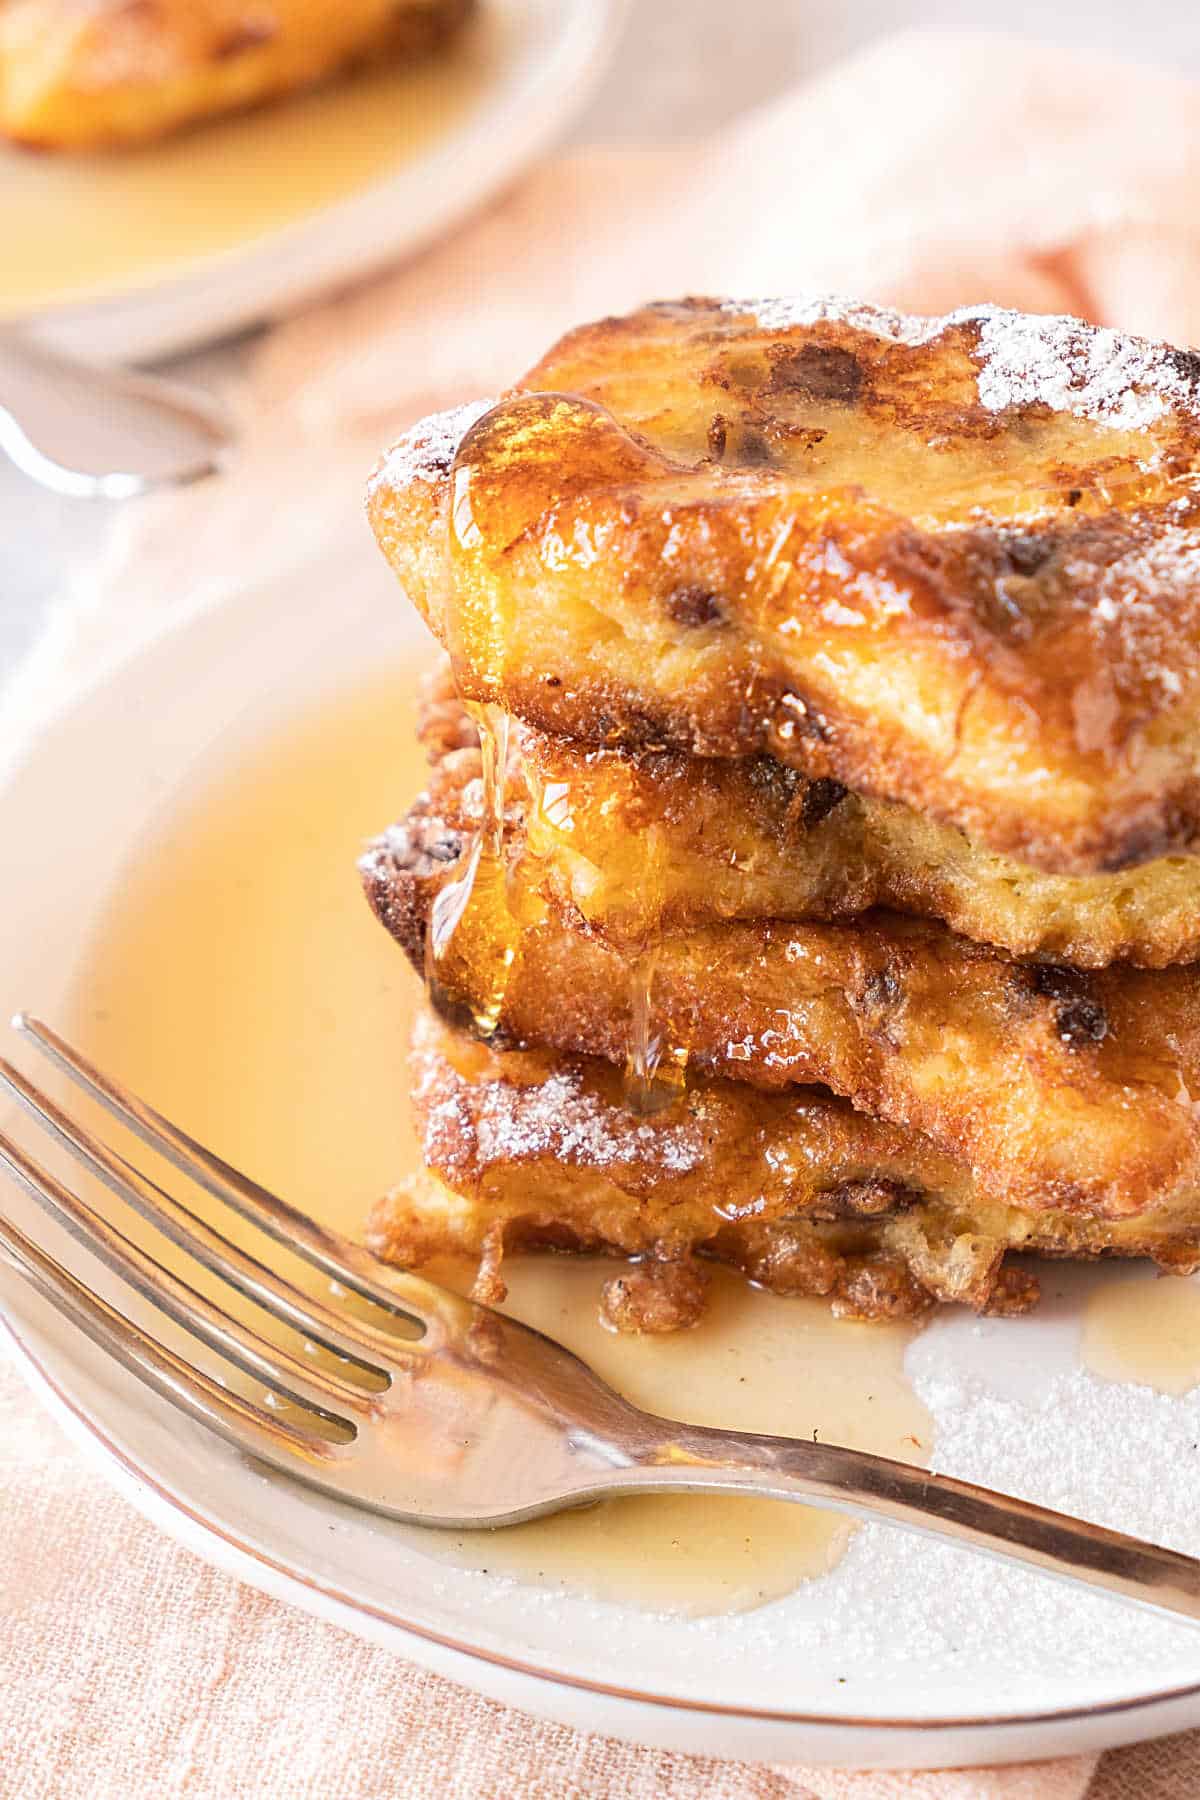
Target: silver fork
437, 1411
94, 431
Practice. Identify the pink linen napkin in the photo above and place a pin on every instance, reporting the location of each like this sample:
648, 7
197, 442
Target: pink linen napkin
930, 171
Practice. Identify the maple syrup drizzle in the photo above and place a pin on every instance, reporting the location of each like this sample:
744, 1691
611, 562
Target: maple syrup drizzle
657, 1059
656, 1066
319, 1112
1144, 1328
473, 938
472, 931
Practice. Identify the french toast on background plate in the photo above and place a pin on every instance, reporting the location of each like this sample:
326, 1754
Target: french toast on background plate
78, 77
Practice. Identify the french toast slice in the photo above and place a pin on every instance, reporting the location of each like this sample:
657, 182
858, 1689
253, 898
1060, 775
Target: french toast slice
953, 562
529, 1149
1060, 1089
76, 76
634, 842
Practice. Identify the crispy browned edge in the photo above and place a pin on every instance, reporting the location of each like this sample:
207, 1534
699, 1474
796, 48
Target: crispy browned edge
798, 1191
1010, 619
759, 839
1061, 1090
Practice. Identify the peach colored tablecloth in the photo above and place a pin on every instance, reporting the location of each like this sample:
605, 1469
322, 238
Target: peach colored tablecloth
930, 171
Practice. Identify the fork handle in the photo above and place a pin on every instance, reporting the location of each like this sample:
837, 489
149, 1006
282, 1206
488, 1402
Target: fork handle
875, 1487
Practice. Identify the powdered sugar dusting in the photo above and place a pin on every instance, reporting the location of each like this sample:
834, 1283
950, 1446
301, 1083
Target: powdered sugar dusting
493, 1121
1025, 359
1114, 1452
792, 312
1006, 1633
393, 848
1062, 363
383, 852
427, 450
906, 1626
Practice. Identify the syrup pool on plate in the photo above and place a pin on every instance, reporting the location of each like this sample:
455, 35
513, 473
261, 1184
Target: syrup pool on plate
240, 982
1142, 1327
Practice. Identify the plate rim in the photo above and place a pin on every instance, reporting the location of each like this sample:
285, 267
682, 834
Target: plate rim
136, 1481
210, 1538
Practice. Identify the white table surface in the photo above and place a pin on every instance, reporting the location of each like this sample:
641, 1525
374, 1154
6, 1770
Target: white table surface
683, 67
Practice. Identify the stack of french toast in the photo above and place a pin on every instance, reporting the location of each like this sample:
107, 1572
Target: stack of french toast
807, 878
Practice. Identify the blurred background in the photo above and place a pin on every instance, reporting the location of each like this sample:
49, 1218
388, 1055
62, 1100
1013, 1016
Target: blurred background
684, 66
325, 270
673, 72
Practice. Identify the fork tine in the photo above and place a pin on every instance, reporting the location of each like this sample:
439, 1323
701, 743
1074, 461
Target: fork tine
243, 1423
305, 1313
328, 1251
274, 1366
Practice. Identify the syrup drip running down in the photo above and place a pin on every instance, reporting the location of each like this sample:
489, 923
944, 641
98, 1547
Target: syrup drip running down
472, 928
656, 1064
656, 1067
474, 937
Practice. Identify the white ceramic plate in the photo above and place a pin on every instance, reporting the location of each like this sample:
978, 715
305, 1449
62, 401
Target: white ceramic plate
844, 1670
528, 65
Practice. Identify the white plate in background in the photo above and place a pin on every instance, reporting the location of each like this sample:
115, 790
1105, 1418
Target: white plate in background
151, 251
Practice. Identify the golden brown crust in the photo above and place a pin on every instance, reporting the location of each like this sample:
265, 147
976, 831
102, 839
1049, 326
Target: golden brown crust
953, 563
633, 842
1061, 1090
80, 76
528, 1149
